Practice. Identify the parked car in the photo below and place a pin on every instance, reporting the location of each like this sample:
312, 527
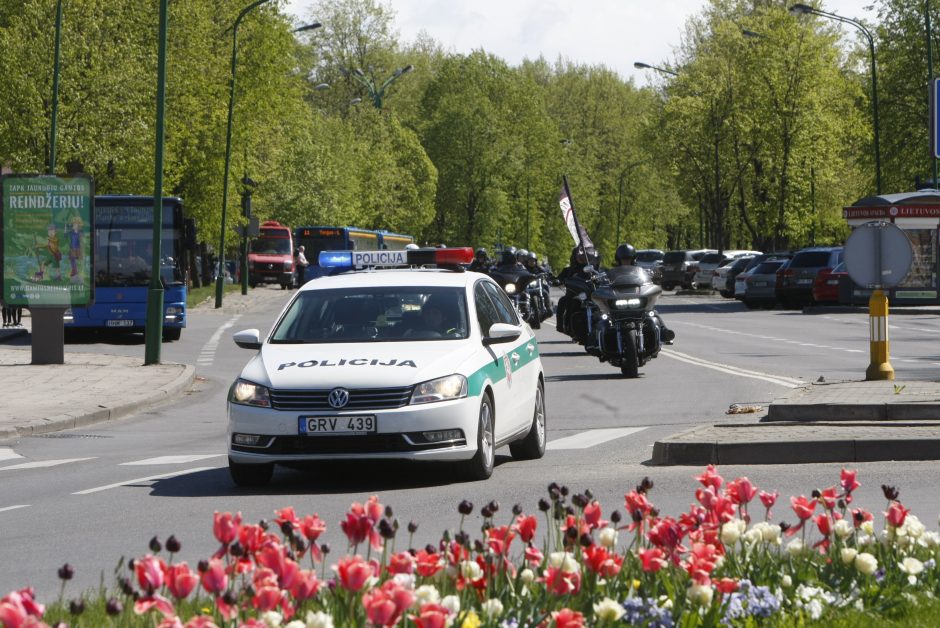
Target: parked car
826, 285
651, 260
795, 285
760, 284
711, 261
679, 267
724, 276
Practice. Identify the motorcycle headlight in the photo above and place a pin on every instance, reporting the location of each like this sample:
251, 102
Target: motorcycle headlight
628, 304
441, 389
247, 393
510, 288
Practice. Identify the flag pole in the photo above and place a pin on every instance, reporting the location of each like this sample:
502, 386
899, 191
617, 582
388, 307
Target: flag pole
574, 215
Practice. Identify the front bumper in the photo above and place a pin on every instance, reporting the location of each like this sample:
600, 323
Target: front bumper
398, 436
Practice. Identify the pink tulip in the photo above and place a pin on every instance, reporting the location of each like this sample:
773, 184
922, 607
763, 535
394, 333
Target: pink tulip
312, 527
498, 539
525, 526
287, 515
803, 507
652, 559
386, 605
353, 573
592, 515
201, 621
402, 562
602, 562
225, 527
428, 563
214, 579
741, 491
567, 618
849, 481
768, 499
897, 514
180, 580
559, 582
149, 571
710, 478
431, 616
145, 604
533, 555
267, 599
305, 586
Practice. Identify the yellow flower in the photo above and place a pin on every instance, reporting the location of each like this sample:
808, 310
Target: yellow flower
636, 585
470, 620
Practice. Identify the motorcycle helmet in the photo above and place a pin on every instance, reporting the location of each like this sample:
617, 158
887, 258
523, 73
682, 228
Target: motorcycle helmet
521, 255
578, 257
481, 253
531, 258
507, 258
625, 252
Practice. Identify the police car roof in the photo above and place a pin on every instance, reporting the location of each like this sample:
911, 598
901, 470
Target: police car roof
393, 277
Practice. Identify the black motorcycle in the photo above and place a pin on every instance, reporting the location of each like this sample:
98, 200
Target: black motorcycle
577, 313
628, 332
515, 284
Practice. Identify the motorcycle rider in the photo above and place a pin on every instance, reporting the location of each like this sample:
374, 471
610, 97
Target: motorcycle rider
576, 273
508, 263
481, 262
625, 263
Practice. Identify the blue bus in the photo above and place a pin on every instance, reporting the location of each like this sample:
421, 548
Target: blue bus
316, 239
123, 264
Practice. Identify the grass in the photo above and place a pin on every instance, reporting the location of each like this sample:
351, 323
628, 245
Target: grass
199, 295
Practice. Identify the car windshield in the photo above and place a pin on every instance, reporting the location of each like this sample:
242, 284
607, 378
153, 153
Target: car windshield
386, 314
711, 258
649, 256
740, 263
271, 246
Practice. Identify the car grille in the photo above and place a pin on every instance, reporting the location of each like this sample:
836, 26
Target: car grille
359, 399
370, 444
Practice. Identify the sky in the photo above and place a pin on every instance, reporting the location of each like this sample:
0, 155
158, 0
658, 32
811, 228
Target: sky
615, 33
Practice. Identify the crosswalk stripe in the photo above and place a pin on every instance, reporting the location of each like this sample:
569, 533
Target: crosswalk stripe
17, 507
182, 459
41, 464
8, 454
591, 438
149, 478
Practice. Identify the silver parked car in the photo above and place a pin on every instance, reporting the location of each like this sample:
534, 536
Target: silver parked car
760, 284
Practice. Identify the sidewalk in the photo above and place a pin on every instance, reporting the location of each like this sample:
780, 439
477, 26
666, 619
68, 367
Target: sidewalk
854, 421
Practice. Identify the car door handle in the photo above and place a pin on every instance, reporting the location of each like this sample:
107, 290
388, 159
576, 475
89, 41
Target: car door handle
515, 358
530, 348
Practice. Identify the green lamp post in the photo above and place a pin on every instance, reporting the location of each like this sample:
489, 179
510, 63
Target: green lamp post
377, 94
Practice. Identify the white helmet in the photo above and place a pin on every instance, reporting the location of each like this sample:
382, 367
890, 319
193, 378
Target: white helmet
411, 246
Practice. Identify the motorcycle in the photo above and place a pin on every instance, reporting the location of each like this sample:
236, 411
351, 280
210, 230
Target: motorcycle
515, 284
577, 313
628, 332
540, 298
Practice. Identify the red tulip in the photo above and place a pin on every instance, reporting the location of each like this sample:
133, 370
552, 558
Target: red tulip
20, 609
667, 534
710, 478
560, 582
860, 516
829, 497
402, 562
287, 515
498, 539
149, 571
251, 537
201, 621
353, 573
386, 604
768, 499
428, 563
727, 585
431, 616
567, 618
592, 515
533, 555
305, 586
225, 527
312, 527
803, 507
601, 562
897, 514
849, 481
144, 604
525, 526
741, 491
181, 580
652, 559
637, 504
267, 598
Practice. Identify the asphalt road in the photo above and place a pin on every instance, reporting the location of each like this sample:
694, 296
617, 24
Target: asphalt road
106, 490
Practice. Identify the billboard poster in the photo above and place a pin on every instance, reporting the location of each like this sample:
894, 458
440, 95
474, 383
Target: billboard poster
47, 249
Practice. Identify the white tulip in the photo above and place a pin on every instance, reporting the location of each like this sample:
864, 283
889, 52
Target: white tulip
426, 594
843, 529
866, 563
700, 594
492, 608
451, 603
565, 561
796, 547
911, 566
318, 619
608, 610
848, 555
471, 570
607, 537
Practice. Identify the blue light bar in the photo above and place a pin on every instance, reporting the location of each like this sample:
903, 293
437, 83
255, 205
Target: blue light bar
335, 259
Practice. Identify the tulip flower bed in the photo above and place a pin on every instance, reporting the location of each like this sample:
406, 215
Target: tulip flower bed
721, 563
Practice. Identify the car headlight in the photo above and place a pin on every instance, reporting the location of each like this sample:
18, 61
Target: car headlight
628, 304
288, 265
173, 310
441, 389
510, 288
247, 393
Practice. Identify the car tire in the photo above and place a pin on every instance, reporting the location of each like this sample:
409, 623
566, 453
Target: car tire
247, 475
749, 304
727, 294
630, 362
480, 467
172, 333
669, 286
532, 446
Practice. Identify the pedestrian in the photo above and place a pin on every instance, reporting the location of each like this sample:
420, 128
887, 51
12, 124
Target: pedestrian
17, 316
301, 266
7, 315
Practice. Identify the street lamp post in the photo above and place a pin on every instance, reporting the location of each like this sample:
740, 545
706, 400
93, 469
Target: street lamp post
623, 174
220, 280
55, 84
377, 94
639, 65
803, 9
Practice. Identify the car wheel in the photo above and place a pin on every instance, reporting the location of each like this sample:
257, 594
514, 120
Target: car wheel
532, 446
669, 286
727, 294
250, 474
629, 361
749, 304
172, 333
480, 467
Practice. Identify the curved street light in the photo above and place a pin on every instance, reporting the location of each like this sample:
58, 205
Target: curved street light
639, 65
377, 94
803, 9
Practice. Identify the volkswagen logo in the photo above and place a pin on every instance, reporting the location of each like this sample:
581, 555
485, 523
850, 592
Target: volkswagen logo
338, 397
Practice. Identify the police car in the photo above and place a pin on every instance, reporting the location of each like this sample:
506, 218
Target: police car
426, 362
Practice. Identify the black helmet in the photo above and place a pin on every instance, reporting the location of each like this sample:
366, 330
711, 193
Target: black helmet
481, 252
507, 258
532, 257
625, 252
521, 255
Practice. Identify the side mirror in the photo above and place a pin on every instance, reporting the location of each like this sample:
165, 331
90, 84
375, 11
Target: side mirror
501, 332
248, 339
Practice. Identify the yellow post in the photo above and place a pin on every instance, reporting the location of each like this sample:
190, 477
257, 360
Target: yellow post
879, 368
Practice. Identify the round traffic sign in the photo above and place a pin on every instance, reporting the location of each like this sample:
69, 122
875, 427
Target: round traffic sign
878, 254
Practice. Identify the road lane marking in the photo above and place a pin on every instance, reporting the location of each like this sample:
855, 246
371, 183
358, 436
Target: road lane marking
170, 460
149, 478
17, 507
591, 438
41, 464
780, 380
207, 353
8, 454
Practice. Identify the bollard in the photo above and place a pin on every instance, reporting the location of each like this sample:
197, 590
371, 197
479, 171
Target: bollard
880, 367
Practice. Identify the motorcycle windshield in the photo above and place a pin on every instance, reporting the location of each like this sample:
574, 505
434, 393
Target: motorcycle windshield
628, 276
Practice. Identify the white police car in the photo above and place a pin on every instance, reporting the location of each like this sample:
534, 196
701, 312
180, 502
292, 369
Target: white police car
412, 363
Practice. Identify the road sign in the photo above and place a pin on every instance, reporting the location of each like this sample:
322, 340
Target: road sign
878, 254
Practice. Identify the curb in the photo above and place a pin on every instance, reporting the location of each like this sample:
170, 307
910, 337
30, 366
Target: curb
745, 444
113, 412
808, 412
